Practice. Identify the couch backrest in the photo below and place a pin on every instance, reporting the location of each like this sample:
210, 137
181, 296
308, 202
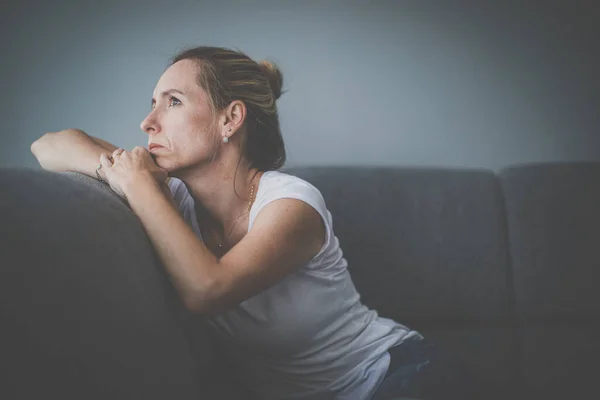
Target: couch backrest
554, 227
428, 247
86, 312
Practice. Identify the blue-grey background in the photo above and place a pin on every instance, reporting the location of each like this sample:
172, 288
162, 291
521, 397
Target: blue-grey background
421, 83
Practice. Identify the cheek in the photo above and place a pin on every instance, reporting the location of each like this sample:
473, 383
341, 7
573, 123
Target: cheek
201, 133
191, 137
197, 139
193, 143
188, 131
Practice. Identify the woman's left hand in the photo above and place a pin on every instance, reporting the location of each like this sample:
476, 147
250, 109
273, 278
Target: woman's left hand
130, 167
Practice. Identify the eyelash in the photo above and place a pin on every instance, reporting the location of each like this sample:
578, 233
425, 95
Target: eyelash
171, 99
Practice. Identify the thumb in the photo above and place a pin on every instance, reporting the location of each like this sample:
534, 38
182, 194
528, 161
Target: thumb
105, 164
105, 160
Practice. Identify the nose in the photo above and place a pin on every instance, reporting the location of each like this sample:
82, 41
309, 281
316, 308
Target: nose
150, 124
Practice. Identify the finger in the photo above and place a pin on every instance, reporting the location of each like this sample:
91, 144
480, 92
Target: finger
105, 161
117, 152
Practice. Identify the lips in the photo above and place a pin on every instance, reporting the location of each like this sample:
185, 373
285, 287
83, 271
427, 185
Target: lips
154, 146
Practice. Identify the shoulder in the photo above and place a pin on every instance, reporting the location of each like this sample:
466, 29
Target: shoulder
288, 218
294, 208
276, 185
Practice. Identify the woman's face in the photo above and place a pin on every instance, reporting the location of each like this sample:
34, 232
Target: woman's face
180, 120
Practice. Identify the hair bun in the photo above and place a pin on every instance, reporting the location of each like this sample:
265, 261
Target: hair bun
274, 75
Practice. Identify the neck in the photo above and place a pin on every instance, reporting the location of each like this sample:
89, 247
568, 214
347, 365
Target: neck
221, 195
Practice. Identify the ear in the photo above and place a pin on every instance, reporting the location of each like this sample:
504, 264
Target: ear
233, 118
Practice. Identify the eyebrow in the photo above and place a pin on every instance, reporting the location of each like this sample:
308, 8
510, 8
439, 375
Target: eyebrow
166, 93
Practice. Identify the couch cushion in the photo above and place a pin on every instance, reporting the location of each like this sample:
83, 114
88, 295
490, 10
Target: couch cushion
554, 219
488, 352
428, 247
86, 308
561, 362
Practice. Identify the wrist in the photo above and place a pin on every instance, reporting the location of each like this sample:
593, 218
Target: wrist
140, 182
99, 174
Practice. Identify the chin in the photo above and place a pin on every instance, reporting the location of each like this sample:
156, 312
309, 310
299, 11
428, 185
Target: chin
183, 166
162, 163
173, 170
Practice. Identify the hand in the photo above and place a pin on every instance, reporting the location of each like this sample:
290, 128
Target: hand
126, 169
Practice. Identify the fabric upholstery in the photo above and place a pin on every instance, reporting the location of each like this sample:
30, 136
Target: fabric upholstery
554, 219
561, 361
554, 227
87, 311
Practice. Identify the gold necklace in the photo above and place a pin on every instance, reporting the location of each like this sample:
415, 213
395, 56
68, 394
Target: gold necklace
250, 202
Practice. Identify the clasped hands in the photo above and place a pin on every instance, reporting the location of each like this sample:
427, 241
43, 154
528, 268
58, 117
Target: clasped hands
124, 169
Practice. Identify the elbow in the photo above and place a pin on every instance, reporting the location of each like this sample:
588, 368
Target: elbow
43, 139
39, 146
35, 146
205, 302
42, 152
200, 306
195, 305
50, 138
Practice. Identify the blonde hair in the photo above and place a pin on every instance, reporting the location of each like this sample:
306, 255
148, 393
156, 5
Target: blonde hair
227, 75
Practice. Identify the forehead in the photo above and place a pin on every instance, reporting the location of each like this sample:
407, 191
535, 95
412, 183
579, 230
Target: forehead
182, 76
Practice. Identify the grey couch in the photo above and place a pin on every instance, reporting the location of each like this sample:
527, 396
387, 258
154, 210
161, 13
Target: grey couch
500, 269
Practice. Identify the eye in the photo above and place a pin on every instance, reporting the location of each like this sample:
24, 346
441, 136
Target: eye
174, 101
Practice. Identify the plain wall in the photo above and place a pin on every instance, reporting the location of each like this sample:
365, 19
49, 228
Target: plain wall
421, 83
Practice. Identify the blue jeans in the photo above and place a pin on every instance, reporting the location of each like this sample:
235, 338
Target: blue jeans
418, 369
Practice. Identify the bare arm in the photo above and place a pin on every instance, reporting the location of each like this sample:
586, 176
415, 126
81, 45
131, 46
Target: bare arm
70, 150
74, 150
107, 146
286, 234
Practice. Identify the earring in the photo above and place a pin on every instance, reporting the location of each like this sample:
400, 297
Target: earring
225, 139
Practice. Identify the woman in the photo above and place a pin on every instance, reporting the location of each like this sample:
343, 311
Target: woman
248, 246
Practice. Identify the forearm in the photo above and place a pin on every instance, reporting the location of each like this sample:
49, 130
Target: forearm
69, 150
188, 261
104, 144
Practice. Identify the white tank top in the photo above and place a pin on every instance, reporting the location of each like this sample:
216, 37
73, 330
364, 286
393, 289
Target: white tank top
308, 336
